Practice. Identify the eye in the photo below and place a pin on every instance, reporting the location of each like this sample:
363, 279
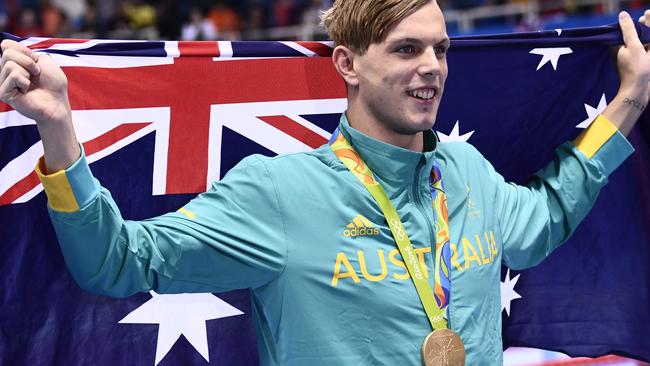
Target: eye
407, 49
441, 50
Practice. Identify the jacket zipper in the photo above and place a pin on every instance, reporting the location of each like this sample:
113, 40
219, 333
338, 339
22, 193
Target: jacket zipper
420, 204
421, 208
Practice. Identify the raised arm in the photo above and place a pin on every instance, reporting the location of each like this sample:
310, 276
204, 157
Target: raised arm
37, 88
228, 238
633, 60
535, 219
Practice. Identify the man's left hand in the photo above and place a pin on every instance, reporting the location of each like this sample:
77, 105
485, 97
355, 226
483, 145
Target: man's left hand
633, 61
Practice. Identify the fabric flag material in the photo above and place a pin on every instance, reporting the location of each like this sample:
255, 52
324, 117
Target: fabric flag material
161, 120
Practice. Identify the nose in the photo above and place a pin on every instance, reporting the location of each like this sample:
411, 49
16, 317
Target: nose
429, 63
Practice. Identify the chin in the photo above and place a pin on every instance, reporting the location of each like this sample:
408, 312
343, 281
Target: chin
423, 124
423, 121
411, 128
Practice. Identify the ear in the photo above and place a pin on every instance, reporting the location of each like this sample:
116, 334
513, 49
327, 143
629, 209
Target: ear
343, 59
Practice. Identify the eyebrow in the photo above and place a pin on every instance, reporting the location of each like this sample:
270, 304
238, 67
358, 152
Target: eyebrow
417, 41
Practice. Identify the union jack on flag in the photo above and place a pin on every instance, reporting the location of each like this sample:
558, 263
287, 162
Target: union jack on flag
121, 91
160, 121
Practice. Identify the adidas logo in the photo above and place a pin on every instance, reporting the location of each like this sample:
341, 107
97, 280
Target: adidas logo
360, 226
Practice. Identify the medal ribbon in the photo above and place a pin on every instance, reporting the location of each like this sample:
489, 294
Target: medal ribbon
434, 302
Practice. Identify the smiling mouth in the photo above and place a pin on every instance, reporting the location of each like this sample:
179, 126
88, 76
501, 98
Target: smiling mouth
423, 94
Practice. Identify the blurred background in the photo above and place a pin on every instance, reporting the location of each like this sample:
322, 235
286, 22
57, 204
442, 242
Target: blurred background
277, 19
298, 20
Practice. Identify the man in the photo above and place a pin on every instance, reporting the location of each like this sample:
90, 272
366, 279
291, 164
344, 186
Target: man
324, 291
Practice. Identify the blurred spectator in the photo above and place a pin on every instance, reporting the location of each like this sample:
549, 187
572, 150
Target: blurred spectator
104, 20
225, 20
198, 28
87, 26
28, 24
311, 18
141, 16
529, 23
74, 10
139, 13
19, 5
265, 19
637, 4
4, 17
285, 13
255, 21
551, 8
171, 16
53, 20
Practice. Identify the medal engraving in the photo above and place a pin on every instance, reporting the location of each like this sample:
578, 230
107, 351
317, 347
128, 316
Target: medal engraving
443, 347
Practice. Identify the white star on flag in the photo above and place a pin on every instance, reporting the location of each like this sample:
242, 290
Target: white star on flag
508, 292
551, 55
182, 314
454, 135
592, 112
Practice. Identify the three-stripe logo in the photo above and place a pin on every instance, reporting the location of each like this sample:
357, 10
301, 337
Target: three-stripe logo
360, 226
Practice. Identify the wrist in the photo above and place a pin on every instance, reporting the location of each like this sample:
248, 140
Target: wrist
631, 99
625, 109
60, 115
60, 145
638, 93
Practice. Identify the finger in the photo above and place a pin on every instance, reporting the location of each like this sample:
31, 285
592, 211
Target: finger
20, 82
21, 59
12, 68
9, 44
645, 18
14, 84
14, 78
630, 36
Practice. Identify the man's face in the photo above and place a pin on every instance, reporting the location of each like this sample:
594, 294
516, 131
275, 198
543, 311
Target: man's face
401, 79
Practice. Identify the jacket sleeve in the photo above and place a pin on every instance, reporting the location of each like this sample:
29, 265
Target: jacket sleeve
230, 237
537, 218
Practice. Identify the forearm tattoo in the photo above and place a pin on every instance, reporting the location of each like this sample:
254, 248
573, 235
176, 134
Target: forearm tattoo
634, 103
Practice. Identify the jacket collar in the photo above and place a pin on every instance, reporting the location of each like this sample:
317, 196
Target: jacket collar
389, 162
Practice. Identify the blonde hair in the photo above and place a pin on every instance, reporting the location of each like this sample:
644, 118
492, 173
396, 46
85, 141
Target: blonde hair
357, 24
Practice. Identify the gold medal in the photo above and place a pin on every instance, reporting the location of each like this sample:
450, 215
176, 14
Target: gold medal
443, 347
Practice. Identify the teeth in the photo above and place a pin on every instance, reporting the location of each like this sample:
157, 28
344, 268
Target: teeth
422, 93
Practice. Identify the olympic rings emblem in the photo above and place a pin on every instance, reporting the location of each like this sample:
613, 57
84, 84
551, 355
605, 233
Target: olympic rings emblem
398, 228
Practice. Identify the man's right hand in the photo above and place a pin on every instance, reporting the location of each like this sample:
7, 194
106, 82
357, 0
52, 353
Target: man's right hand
32, 84
37, 88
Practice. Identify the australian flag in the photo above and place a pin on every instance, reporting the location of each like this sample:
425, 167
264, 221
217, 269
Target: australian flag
161, 120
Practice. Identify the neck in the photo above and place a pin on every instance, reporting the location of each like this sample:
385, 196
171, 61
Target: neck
377, 130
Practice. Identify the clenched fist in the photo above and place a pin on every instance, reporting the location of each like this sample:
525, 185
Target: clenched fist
37, 88
32, 84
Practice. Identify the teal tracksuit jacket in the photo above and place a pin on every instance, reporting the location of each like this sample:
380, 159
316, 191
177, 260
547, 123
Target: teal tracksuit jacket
328, 285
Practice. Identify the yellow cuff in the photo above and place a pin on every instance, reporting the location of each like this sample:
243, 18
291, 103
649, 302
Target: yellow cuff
57, 188
595, 136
